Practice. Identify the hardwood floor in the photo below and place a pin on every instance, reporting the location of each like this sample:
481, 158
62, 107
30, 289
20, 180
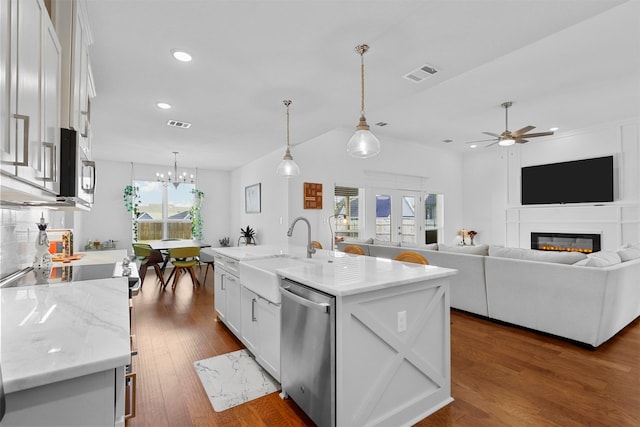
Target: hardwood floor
501, 375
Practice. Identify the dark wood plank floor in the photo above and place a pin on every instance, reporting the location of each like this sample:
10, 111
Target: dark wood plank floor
501, 375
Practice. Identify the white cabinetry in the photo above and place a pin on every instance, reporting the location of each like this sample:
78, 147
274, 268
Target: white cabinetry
227, 292
260, 330
78, 402
30, 85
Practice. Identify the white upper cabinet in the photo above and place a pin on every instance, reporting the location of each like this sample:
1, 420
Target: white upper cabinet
30, 122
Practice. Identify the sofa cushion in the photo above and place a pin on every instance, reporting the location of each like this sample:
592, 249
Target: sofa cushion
469, 250
385, 243
600, 259
629, 252
429, 247
535, 255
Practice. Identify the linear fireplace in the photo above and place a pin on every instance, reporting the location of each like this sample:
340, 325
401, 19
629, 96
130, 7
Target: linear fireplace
571, 242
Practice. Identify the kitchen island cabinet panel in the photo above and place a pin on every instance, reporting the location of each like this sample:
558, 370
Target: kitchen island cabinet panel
387, 375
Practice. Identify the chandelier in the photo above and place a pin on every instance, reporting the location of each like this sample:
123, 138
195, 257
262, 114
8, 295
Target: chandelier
363, 144
174, 177
288, 166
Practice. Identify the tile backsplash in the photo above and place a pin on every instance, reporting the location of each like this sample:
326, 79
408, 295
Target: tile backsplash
18, 232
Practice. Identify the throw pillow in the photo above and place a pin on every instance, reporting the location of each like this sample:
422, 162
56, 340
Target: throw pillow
629, 252
536, 255
602, 259
385, 243
469, 250
429, 247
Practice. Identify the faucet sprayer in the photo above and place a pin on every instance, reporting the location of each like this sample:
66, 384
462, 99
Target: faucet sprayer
310, 248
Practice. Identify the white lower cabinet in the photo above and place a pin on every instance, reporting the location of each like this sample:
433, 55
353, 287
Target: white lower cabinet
219, 293
260, 330
232, 288
95, 399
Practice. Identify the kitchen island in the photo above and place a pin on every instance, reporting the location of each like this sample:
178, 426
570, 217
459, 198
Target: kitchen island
392, 342
64, 348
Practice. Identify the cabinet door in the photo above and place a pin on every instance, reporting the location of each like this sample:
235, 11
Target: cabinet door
268, 315
26, 42
6, 147
249, 327
219, 294
52, 54
232, 287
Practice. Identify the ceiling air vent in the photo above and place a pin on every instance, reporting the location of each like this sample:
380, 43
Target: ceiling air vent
178, 124
419, 74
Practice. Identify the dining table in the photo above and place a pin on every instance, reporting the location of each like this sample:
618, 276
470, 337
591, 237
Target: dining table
164, 246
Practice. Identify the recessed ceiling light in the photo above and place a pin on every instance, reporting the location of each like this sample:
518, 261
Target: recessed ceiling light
553, 129
163, 105
473, 146
181, 55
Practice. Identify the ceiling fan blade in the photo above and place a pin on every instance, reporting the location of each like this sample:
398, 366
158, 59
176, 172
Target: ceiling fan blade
489, 145
521, 141
535, 135
492, 134
481, 140
523, 130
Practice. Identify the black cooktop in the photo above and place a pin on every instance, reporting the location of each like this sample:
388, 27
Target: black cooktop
67, 273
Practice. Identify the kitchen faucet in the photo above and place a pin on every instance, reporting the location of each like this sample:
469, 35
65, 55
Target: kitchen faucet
310, 248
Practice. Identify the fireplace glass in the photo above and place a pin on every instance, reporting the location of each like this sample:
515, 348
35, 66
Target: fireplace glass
570, 242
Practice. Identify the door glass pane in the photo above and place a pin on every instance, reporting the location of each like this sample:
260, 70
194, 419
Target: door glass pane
432, 217
383, 218
346, 202
408, 226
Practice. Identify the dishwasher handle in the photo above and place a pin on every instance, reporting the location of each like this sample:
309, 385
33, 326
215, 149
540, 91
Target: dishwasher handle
322, 306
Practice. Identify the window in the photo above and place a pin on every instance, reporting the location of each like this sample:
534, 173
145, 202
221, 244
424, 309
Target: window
165, 210
383, 217
346, 202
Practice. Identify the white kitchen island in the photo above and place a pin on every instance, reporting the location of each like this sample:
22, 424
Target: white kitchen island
63, 349
393, 364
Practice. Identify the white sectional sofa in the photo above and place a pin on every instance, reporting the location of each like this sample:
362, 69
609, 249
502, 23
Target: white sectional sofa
587, 299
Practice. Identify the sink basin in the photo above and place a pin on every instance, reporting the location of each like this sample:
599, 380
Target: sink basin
260, 275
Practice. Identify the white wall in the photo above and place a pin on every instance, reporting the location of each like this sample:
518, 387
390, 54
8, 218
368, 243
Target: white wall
491, 182
324, 160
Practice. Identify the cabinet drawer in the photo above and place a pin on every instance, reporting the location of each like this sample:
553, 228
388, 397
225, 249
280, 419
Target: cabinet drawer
228, 264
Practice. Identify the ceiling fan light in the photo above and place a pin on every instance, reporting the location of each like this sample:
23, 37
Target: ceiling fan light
506, 142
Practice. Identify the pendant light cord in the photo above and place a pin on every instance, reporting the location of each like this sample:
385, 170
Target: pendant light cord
361, 49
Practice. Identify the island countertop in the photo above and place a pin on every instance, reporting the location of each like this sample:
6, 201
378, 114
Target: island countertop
56, 332
346, 274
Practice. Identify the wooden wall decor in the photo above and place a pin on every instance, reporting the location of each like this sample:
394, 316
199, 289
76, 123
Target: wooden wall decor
312, 195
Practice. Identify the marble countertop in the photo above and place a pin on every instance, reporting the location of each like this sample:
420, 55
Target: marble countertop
342, 274
243, 253
97, 257
56, 332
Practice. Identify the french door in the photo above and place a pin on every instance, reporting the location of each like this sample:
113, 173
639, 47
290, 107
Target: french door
397, 214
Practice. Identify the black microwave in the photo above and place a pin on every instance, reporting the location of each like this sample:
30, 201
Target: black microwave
77, 172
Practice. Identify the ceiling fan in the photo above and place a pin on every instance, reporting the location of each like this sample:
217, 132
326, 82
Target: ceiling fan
507, 137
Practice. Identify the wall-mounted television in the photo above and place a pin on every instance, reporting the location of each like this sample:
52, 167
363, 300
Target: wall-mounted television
578, 181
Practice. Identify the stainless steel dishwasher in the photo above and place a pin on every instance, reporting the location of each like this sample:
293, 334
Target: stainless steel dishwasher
308, 351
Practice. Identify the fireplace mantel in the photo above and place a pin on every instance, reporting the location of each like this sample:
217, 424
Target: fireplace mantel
617, 224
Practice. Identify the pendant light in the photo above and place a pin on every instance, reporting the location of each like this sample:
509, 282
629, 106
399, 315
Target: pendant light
363, 144
287, 166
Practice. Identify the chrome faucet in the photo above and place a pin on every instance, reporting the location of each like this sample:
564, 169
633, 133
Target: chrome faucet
310, 248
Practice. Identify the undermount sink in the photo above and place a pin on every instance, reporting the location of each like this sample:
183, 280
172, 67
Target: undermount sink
260, 275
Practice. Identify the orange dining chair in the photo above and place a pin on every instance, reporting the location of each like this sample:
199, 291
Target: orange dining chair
183, 259
316, 244
148, 257
411, 257
353, 249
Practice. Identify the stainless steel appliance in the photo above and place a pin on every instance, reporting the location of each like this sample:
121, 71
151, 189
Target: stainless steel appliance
77, 173
308, 351
3, 405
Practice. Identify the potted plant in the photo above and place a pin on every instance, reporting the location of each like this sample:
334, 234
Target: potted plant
248, 234
197, 223
225, 242
131, 199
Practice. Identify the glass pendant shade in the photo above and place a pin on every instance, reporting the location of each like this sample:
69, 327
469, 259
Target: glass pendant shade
363, 144
287, 166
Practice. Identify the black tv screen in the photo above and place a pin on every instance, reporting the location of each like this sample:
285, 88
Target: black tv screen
579, 181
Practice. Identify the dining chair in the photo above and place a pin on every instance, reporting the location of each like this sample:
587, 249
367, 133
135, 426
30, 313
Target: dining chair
183, 259
207, 259
410, 256
316, 244
148, 257
353, 249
